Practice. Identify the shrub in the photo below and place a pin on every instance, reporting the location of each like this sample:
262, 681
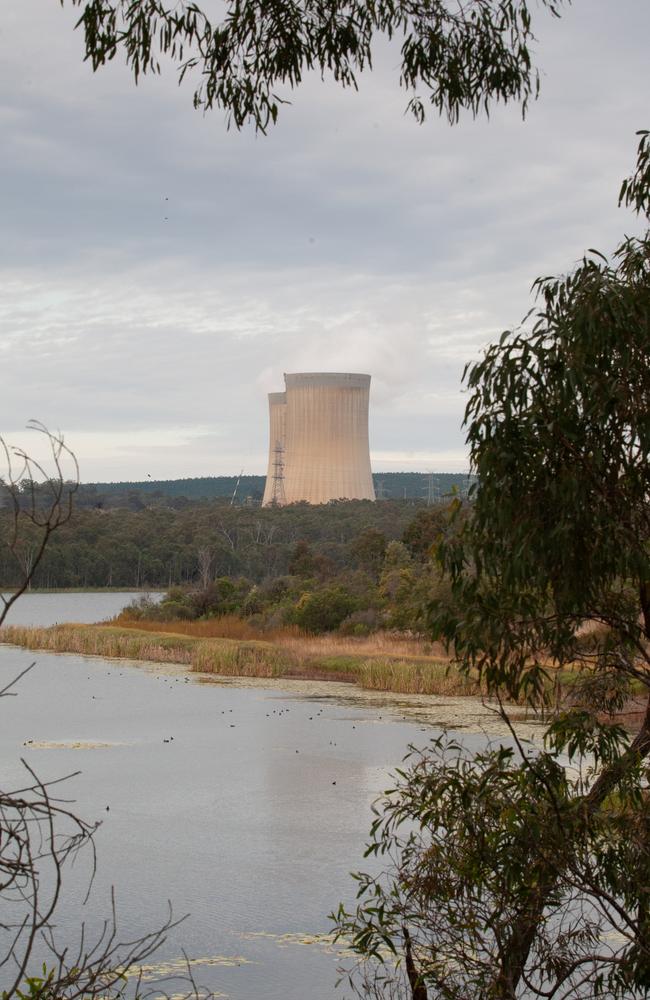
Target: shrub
361, 622
323, 610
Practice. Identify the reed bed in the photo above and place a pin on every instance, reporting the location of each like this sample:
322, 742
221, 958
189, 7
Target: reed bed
224, 627
99, 640
406, 677
299, 643
247, 658
387, 644
219, 656
243, 659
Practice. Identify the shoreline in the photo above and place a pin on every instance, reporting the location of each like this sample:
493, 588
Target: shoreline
384, 670
424, 688
87, 590
468, 713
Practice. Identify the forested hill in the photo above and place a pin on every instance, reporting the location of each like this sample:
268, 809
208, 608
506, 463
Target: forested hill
388, 486
164, 543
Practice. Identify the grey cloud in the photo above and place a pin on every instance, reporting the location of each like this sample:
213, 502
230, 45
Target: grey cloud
159, 274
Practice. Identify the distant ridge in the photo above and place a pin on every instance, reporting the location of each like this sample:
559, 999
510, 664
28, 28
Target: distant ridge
388, 486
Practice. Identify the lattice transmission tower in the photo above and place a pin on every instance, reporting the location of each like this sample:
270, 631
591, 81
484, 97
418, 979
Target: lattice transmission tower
277, 495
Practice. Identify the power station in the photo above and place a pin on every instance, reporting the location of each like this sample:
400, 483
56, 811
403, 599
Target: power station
318, 444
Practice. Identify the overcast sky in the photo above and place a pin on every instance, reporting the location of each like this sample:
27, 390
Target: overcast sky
159, 274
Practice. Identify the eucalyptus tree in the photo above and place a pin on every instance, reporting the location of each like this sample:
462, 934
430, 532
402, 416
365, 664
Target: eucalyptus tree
453, 56
510, 874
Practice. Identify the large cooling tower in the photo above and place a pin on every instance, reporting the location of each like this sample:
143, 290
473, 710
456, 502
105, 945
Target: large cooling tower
319, 439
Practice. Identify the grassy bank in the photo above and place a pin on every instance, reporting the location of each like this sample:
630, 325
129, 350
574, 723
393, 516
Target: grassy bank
380, 671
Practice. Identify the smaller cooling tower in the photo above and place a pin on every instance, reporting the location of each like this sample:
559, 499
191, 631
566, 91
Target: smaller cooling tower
274, 489
318, 449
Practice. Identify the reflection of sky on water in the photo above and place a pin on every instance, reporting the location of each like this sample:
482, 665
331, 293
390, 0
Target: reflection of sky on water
51, 609
250, 819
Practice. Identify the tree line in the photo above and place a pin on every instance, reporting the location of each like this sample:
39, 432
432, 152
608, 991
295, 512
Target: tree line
159, 546
248, 490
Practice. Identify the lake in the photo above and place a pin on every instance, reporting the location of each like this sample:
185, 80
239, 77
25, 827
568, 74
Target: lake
246, 807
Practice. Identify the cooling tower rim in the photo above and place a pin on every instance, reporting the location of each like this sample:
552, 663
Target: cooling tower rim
276, 398
343, 380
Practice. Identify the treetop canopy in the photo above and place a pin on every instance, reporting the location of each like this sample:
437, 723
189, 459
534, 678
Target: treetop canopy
454, 56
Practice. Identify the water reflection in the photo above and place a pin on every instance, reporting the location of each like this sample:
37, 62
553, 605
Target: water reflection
246, 807
55, 608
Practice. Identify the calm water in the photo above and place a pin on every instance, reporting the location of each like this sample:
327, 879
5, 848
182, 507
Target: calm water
250, 819
49, 609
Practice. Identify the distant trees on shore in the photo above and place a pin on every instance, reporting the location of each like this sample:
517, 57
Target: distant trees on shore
248, 490
159, 546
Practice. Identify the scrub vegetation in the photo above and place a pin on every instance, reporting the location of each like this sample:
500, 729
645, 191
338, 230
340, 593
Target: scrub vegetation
158, 545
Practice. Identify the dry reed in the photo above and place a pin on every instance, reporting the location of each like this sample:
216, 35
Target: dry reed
221, 656
248, 658
405, 677
241, 659
224, 627
291, 637
97, 640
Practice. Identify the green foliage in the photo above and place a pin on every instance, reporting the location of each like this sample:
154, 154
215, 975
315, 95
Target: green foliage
559, 430
508, 874
36, 987
247, 562
460, 58
177, 492
305, 562
160, 546
368, 551
393, 593
469, 846
323, 610
635, 190
48, 985
424, 532
361, 623
323, 589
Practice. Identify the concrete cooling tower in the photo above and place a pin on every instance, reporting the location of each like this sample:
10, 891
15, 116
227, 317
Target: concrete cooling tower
318, 447
274, 489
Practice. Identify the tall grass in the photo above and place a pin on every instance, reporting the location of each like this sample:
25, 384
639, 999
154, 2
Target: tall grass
290, 636
406, 677
247, 658
224, 627
242, 659
97, 640
222, 656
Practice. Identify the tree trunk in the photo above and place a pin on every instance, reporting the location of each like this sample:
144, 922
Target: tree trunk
546, 871
418, 989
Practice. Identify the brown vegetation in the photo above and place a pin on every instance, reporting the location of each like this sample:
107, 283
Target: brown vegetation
231, 647
291, 637
223, 627
375, 663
